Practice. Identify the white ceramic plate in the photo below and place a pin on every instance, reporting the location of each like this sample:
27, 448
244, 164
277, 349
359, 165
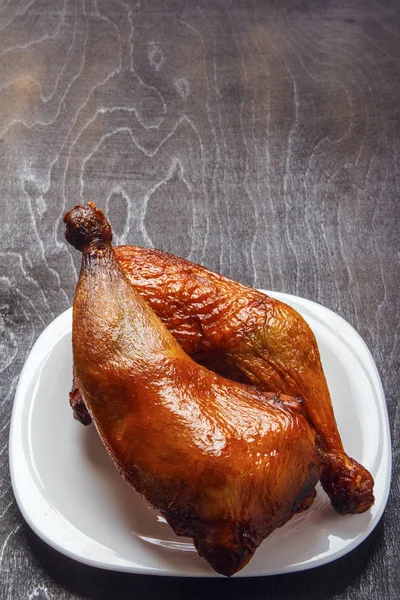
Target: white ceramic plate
71, 495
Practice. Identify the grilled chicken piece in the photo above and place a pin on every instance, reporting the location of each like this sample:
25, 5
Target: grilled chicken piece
222, 462
247, 336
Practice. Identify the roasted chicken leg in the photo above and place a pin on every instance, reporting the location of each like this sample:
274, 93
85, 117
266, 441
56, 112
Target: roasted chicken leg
246, 336
220, 460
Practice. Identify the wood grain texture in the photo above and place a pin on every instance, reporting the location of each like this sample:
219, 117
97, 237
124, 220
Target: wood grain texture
258, 138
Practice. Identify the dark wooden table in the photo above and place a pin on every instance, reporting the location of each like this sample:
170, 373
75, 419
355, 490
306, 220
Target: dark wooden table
258, 138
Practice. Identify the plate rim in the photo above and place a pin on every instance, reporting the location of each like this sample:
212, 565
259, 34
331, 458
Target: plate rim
38, 354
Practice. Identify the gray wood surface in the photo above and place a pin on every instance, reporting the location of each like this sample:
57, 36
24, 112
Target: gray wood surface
258, 138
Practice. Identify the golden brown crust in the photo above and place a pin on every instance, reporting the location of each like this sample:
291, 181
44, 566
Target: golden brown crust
247, 336
225, 463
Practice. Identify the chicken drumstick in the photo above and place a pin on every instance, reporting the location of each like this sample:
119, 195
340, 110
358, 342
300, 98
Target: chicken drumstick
247, 336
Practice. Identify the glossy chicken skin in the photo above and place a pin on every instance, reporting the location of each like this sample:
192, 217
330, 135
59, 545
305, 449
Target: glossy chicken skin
222, 462
248, 336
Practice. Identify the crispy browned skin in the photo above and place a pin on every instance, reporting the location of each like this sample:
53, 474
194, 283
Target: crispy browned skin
223, 464
248, 336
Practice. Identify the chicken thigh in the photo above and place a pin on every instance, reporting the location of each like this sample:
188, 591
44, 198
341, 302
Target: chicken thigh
223, 462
